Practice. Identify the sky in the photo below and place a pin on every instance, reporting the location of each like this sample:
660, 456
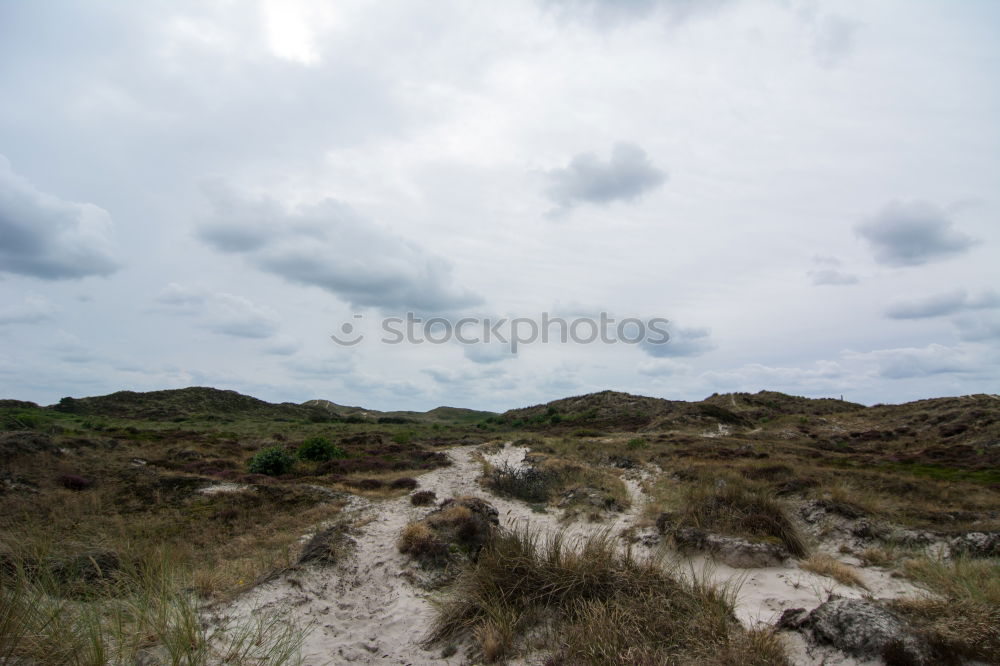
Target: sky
203, 192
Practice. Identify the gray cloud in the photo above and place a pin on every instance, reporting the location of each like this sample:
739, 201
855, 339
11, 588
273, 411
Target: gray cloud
828, 272
946, 303
329, 246
321, 368
51, 239
978, 329
913, 233
241, 318
683, 342
626, 176
488, 353
283, 346
661, 367
834, 38
610, 13
221, 312
912, 362
33, 310
831, 276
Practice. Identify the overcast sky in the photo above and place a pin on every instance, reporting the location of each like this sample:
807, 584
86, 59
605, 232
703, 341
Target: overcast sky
202, 192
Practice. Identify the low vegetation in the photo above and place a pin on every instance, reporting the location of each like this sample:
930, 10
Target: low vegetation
962, 619
589, 603
526, 482
571, 486
122, 515
826, 565
735, 507
272, 461
320, 449
459, 528
83, 614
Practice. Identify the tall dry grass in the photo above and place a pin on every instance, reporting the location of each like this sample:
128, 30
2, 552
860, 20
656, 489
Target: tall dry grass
590, 603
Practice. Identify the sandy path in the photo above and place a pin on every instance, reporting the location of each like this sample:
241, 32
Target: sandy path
366, 611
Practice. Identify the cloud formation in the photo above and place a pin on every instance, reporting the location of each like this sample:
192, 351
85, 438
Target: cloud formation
913, 233
48, 238
683, 342
328, 245
32, 310
626, 176
833, 39
947, 303
221, 312
609, 13
911, 362
828, 272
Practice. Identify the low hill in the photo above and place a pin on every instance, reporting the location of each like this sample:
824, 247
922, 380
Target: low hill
436, 415
173, 403
198, 401
769, 404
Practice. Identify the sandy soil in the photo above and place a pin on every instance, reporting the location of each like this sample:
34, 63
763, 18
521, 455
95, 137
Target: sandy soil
366, 611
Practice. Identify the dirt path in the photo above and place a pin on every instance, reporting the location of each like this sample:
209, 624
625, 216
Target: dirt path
366, 611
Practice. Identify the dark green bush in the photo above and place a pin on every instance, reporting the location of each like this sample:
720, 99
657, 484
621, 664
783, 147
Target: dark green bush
272, 461
320, 449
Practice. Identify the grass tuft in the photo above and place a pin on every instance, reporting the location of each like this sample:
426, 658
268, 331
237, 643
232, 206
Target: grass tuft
591, 604
963, 619
825, 565
736, 507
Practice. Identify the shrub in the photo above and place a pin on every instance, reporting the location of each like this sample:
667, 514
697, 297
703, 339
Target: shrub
404, 482
272, 461
423, 497
460, 526
637, 443
319, 449
525, 483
